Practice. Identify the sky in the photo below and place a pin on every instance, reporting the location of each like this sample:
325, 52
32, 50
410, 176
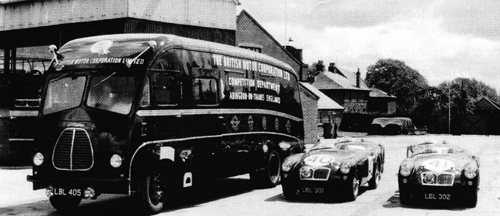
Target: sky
441, 39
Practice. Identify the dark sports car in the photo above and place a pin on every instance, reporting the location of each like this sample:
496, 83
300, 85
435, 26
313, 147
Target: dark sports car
439, 172
333, 170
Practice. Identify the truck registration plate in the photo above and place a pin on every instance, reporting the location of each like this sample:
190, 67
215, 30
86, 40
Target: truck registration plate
77, 192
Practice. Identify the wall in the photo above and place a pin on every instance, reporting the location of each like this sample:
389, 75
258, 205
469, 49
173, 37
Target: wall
249, 31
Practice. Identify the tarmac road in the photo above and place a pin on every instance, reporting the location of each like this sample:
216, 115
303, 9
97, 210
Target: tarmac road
236, 197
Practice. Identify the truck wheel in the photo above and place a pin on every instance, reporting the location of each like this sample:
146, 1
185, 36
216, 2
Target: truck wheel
269, 176
352, 188
375, 180
65, 203
150, 193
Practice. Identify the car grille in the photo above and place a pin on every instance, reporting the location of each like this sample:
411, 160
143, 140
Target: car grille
73, 151
437, 179
320, 174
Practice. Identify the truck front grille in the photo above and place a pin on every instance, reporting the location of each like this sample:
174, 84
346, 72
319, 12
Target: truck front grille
73, 151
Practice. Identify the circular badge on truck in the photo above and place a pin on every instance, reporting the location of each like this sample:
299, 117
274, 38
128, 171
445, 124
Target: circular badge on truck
438, 164
319, 160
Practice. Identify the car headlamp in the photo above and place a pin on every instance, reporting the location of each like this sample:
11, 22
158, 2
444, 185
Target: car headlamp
345, 168
290, 161
470, 171
428, 178
38, 159
406, 168
287, 165
116, 161
306, 172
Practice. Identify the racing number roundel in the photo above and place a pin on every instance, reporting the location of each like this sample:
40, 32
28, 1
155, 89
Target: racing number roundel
438, 164
319, 160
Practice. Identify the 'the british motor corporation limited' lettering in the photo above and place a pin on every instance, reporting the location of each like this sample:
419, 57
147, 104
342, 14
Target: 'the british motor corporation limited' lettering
237, 63
111, 60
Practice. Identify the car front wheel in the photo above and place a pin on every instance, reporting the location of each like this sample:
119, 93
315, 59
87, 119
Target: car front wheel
375, 180
404, 197
471, 200
353, 189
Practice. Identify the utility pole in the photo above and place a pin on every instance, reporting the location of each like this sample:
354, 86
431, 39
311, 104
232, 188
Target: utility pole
449, 107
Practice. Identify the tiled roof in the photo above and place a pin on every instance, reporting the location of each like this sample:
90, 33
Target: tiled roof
324, 101
380, 94
347, 80
484, 105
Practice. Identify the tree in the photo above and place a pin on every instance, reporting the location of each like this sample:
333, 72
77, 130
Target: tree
396, 78
314, 70
464, 93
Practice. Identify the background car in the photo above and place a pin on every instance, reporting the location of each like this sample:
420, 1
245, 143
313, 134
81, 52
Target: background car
333, 170
391, 126
439, 172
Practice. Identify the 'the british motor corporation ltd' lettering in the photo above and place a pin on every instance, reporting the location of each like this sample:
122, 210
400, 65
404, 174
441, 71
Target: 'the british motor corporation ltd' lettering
254, 84
237, 63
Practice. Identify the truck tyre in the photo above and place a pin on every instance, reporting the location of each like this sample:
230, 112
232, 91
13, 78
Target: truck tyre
65, 203
150, 193
269, 176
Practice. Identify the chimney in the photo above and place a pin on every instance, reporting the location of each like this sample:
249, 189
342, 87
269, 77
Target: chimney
358, 78
331, 68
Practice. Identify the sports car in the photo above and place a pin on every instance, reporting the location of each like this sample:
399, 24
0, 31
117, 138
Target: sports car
333, 170
439, 172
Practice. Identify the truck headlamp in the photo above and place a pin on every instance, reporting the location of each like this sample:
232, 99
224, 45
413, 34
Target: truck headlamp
38, 159
116, 161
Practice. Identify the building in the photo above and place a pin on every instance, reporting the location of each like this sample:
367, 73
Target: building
344, 87
329, 113
28, 27
251, 35
28, 23
381, 103
310, 109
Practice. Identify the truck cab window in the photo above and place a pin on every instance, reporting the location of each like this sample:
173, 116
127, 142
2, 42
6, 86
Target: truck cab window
166, 90
205, 91
111, 93
63, 93
146, 95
